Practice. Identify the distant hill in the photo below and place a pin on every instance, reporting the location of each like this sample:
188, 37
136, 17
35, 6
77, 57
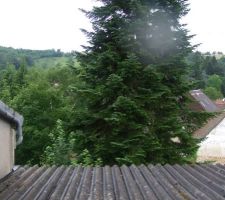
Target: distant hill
11, 56
51, 61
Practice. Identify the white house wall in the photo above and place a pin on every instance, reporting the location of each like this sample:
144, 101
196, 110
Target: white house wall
7, 146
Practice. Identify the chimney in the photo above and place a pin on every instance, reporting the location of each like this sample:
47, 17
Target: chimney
10, 136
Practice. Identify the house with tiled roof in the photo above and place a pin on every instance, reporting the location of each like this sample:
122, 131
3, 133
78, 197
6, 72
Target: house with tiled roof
150, 182
201, 102
212, 148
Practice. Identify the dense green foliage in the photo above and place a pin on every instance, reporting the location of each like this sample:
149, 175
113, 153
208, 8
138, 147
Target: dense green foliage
51, 61
60, 150
208, 73
126, 101
132, 108
10, 56
43, 96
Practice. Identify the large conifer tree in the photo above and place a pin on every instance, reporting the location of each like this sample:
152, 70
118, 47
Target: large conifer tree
133, 101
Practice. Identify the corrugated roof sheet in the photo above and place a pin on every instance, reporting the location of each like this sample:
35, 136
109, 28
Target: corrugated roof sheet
206, 103
123, 183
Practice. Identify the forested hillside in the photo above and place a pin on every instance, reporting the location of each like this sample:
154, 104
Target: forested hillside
46, 96
43, 96
207, 71
11, 56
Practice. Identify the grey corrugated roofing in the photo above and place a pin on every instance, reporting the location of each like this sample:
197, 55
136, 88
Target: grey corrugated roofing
11, 116
206, 103
187, 182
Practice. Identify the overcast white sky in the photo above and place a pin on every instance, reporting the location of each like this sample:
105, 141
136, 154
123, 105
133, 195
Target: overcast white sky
46, 24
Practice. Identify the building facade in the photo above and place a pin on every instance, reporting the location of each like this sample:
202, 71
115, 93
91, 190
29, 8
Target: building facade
10, 136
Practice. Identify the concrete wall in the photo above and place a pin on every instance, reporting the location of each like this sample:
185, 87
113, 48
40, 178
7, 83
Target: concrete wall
7, 147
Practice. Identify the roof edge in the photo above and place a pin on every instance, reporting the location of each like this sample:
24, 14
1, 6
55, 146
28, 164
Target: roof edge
13, 117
